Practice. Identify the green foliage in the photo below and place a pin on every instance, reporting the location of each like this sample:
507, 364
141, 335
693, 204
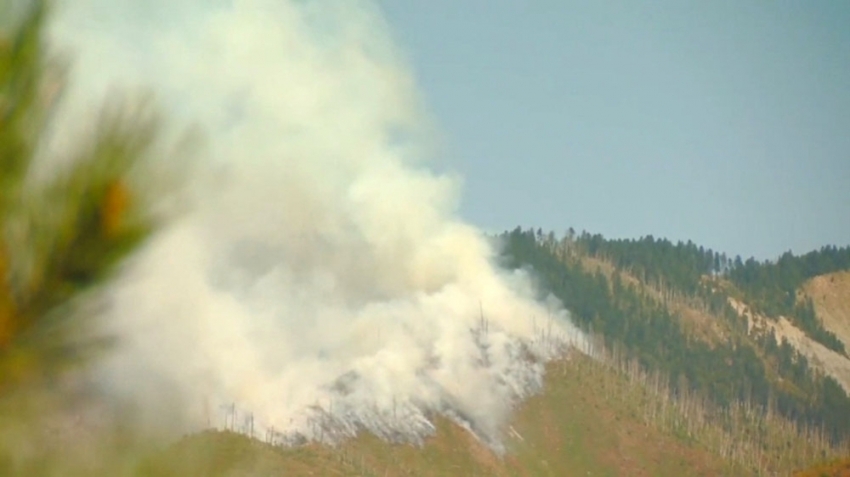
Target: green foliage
731, 370
657, 260
61, 236
772, 287
22, 65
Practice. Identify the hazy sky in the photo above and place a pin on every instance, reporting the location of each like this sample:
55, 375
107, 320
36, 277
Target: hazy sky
727, 123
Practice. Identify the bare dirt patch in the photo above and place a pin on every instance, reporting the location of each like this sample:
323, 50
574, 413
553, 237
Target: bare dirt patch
831, 296
818, 355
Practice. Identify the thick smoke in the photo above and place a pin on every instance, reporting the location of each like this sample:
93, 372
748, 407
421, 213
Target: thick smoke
322, 280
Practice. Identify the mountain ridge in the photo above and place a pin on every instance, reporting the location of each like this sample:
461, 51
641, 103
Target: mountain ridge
636, 408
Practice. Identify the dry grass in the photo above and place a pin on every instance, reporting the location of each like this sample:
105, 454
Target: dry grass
838, 468
818, 355
831, 296
605, 417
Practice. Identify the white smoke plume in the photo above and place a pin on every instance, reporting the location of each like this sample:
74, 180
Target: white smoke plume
322, 280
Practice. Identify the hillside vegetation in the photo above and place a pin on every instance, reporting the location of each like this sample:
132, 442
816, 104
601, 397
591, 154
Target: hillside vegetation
595, 416
680, 383
703, 364
647, 317
838, 468
582, 424
831, 300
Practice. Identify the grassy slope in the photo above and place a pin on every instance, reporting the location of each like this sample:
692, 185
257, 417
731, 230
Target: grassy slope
580, 425
839, 468
831, 296
585, 424
588, 421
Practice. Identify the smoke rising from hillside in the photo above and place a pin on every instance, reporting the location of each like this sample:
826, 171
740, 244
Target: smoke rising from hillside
322, 275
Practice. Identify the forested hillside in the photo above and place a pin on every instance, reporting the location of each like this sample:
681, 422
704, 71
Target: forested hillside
769, 286
674, 377
627, 307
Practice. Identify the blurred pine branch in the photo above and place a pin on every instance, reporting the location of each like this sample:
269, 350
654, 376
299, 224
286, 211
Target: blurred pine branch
61, 238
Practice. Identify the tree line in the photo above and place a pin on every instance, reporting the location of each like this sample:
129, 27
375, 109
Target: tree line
769, 287
742, 367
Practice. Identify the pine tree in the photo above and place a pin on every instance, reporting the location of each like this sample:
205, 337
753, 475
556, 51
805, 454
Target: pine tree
60, 238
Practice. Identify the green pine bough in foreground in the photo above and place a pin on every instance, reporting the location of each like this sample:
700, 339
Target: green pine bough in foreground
62, 236
61, 239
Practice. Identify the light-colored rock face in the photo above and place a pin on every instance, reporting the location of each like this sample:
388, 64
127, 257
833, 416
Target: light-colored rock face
819, 356
831, 296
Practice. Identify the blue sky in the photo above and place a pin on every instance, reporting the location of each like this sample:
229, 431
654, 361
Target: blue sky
727, 123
